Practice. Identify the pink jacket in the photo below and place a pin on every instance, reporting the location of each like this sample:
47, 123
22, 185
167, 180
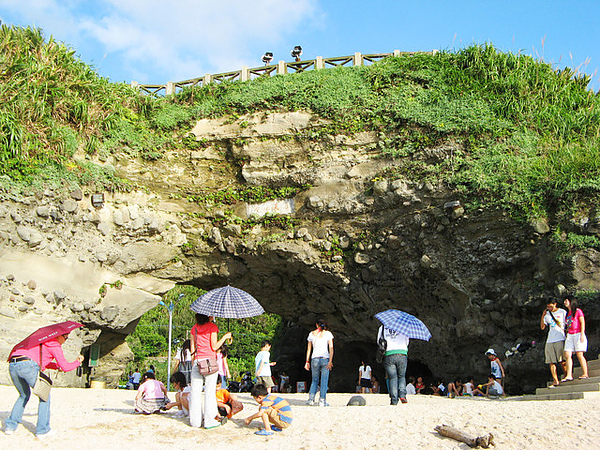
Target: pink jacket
51, 350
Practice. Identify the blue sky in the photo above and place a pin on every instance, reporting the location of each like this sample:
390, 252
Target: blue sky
155, 41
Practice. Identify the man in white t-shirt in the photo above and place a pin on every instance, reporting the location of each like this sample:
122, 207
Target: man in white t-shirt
554, 317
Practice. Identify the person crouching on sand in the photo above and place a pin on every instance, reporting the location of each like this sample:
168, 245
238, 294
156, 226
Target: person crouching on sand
182, 396
275, 412
151, 396
227, 404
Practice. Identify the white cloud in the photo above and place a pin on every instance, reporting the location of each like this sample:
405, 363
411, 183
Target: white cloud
176, 40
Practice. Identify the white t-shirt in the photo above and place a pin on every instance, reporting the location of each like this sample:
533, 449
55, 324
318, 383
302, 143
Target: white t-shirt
262, 358
556, 333
365, 372
468, 388
395, 341
441, 387
497, 388
410, 389
137, 377
320, 344
187, 356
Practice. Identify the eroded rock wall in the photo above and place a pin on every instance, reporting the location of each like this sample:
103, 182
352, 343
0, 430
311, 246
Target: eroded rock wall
363, 242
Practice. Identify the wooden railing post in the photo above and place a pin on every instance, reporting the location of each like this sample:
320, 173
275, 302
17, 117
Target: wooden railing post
319, 64
170, 88
396, 53
207, 79
135, 85
245, 75
281, 68
358, 61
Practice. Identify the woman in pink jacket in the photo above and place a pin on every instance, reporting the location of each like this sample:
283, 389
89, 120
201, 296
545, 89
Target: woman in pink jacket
24, 366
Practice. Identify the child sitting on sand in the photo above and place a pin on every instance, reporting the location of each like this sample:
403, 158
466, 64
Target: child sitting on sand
420, 385
454, 388
410, 387
375, 388
493, 388
468, 387
182, 396
271, 409
228, 404
440, 389
151, 396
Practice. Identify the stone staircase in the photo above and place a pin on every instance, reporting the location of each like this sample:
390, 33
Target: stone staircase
573, 390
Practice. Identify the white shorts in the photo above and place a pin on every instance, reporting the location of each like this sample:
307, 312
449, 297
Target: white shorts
573, 343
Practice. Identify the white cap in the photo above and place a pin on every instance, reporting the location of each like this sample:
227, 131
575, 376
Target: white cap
490, 351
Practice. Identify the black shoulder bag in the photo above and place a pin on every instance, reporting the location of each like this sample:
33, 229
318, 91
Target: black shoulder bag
381, 347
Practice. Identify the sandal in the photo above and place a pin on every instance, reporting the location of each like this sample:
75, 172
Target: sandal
263, 433
564, 380
583, 378
275, 428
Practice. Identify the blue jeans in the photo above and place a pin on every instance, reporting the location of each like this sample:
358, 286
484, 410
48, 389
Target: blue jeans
23, 375
395, 368
319, 370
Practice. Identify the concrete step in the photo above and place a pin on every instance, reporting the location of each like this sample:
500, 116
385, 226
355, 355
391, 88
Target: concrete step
564, 396
577, 382
577, 372
592, 364
593, 367
569, 387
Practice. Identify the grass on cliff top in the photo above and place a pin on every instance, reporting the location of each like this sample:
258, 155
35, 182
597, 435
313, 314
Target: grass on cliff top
52, 105
528, 135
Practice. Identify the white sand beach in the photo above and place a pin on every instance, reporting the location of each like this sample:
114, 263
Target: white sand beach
104, 419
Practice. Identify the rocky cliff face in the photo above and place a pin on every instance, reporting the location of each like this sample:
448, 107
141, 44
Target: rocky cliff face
361, 242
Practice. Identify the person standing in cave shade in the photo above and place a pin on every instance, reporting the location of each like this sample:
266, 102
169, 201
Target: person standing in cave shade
319, 360
555, 318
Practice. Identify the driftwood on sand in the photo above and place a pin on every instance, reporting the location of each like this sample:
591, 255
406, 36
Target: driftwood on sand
481, 441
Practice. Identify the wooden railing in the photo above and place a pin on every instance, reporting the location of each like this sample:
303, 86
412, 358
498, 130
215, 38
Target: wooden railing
282, 67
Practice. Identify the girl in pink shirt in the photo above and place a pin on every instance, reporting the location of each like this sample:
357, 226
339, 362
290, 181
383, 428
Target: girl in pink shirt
204, 343
576, 340
151, 396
